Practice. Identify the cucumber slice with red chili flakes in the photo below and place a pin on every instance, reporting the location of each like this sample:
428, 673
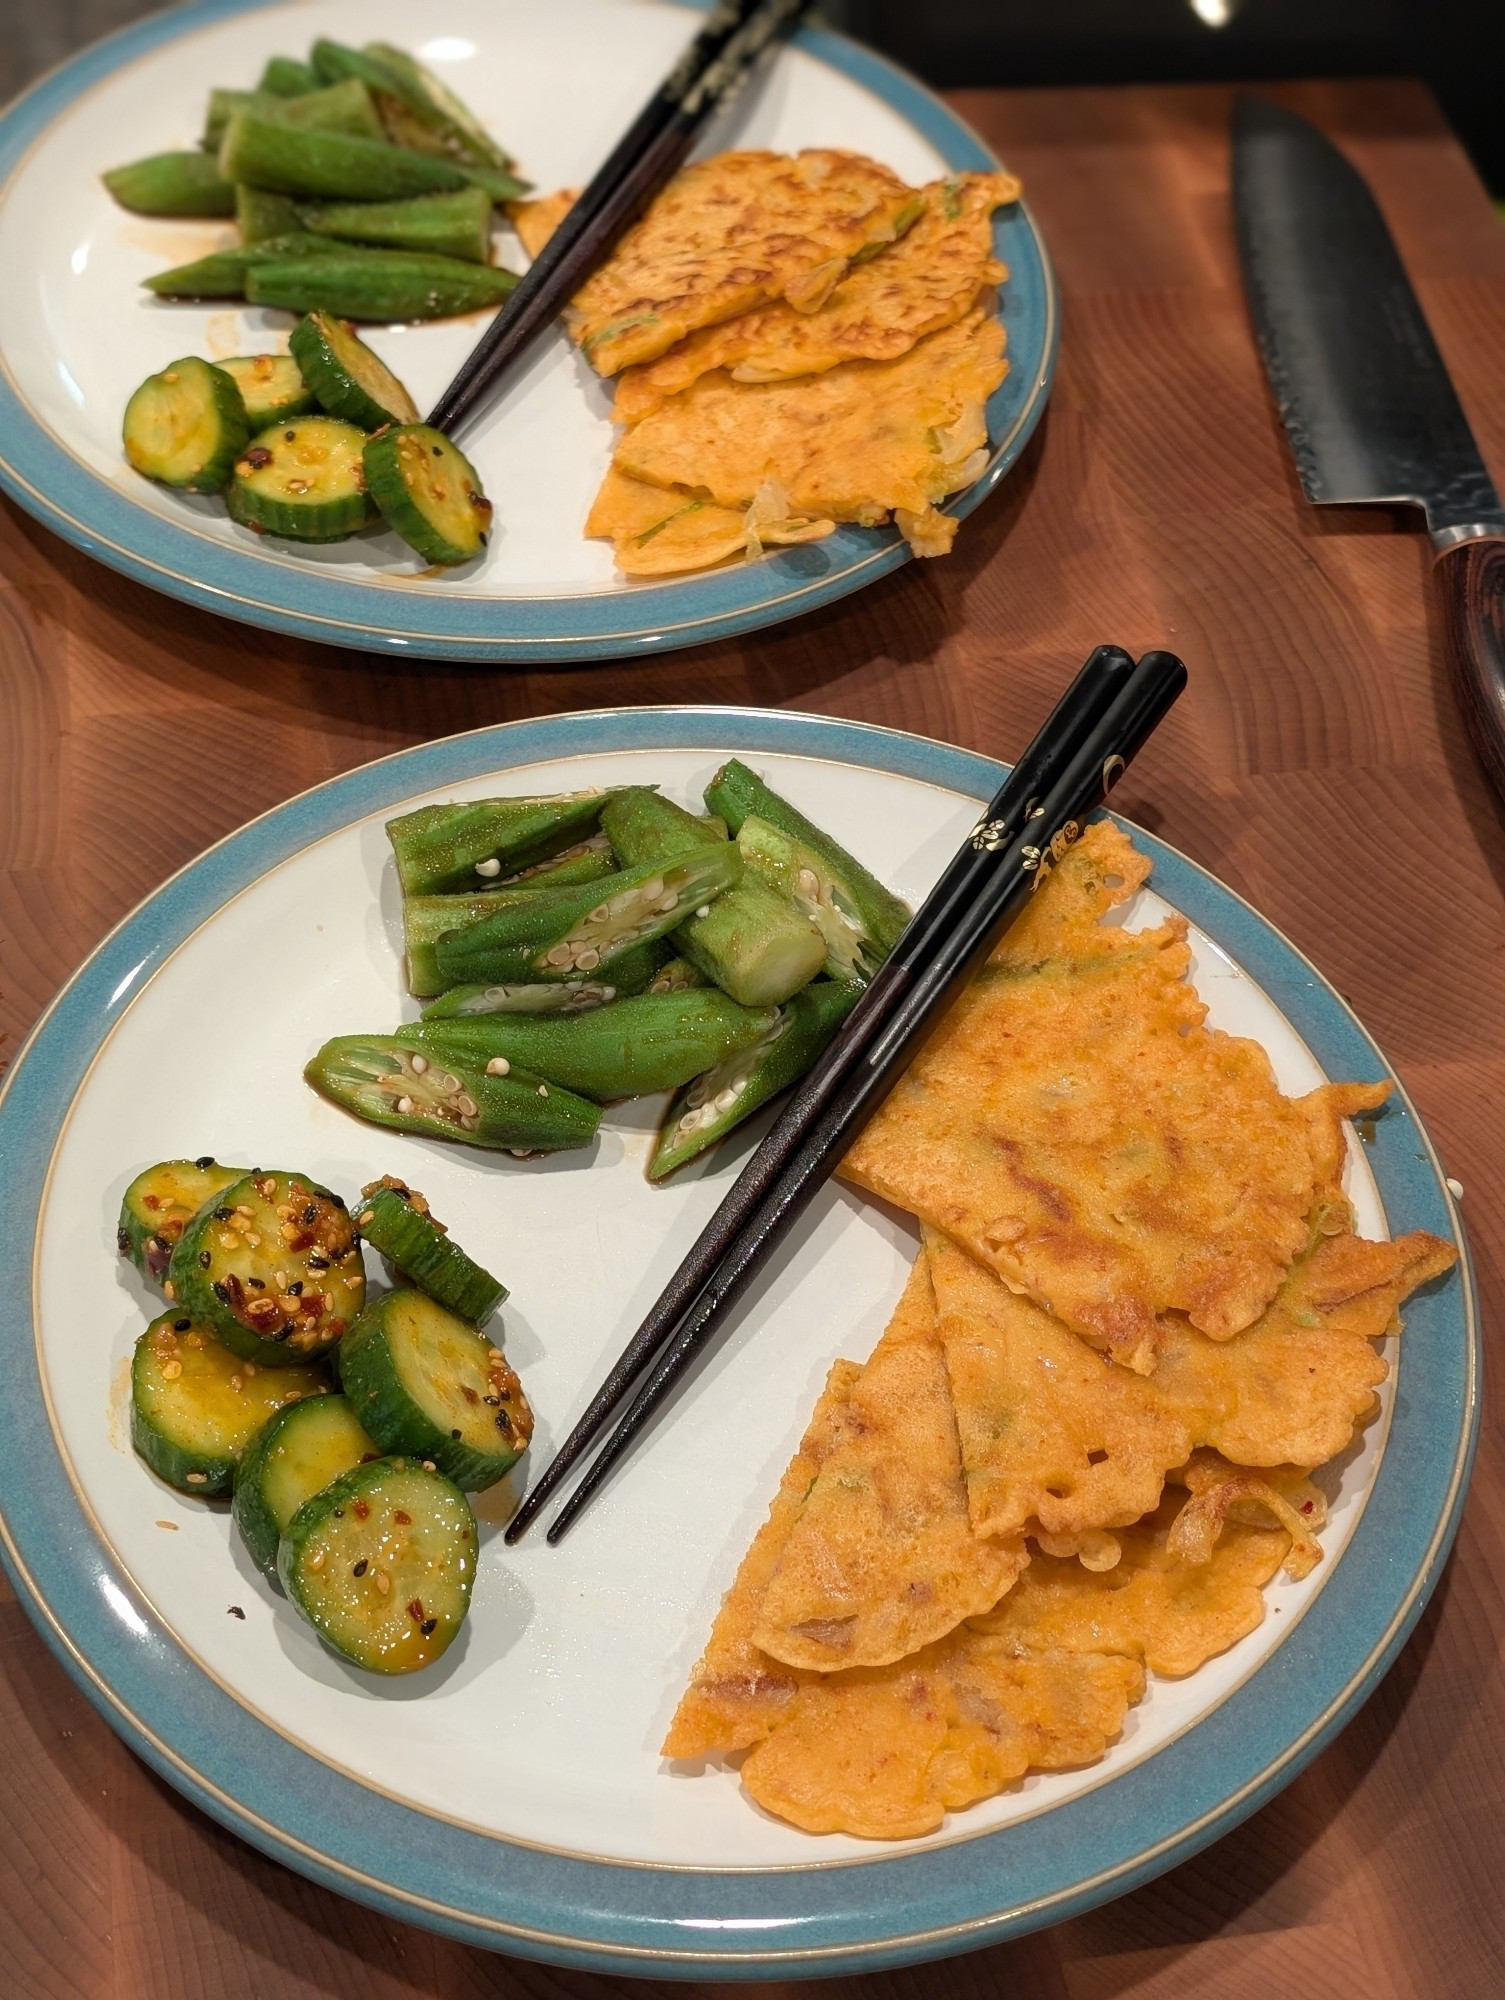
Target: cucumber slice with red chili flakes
273, 1267
301, 1451
428, 492
349, 379
196, 1407
186, 426
303, 480
271, 387
159, 1205
396, 1220
382, 1564
424, 1383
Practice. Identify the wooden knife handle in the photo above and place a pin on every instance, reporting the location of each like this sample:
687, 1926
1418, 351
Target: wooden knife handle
1471, 578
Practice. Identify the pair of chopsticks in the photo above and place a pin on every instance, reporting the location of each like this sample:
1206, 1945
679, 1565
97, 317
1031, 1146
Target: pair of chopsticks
1093, 733
706, 78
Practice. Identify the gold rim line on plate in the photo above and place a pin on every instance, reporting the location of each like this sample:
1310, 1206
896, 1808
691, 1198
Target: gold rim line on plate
400, 584
233, 1693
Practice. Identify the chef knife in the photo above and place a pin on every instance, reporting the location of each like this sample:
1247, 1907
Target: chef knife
1368, 406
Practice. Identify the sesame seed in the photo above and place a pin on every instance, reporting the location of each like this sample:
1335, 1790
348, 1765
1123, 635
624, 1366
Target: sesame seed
543, 1090
427, 1464
198, 1479
704, 910
383, 1582
317, 1562
489, 868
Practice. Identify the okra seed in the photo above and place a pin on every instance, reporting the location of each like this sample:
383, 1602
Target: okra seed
704, 910
599, 914
725, 1099
489, 868
404, 1106
465, 1104
419, 1064
667, 902
588, 959
498, 1066
543, 1090
559, 954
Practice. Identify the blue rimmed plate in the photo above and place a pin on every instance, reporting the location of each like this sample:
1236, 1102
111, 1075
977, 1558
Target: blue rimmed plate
513, 1797
558, 78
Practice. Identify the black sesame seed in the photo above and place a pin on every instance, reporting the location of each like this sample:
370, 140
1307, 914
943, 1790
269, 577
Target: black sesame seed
310, 1215
204, 1160
296, 1286
360, 1567
427, 1627
123, 1242
494, 1401
222, 1292
338, 1200
235, 1610
257, 1284
503, 1421
318, 1263
455, 1435
205, 1260
223, 1214
181, 1325
339, 1513
436, 450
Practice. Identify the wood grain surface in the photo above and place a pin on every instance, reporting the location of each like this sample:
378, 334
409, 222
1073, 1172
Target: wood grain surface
1317, 764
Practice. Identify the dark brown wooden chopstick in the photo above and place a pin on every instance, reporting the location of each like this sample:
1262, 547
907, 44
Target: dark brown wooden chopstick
940, 921
705, 79
1019, 865
1065, 727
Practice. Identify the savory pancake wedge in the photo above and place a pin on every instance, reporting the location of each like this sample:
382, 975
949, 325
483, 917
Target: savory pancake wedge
731, 233
861, 442
661, 530
884, 304
881, 1558
1049, 1436
1080, 1129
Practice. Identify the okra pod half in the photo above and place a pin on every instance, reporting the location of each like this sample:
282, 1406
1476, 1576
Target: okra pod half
332, 166
222, 274
457, 224
738, 794
838, 911
477, 843
381, 285
752, 942
426, 919
657, 1041
392, 1083
285, 76
345, 108
568, 933
707, 1109
172, 184
420, 111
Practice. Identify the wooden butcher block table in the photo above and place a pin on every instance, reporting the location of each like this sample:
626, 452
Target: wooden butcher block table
1316, 764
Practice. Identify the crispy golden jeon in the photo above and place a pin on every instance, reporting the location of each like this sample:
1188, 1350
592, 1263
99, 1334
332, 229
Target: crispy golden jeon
881, 1558
1050, 1436
659, 530
884, 304
1041, 1683
861, 442
535, 221
731, 233
1078, 1127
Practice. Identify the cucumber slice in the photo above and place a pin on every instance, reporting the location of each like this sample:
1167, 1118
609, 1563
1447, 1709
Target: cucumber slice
348, 379
186, 426
429, 492
423, 1382
395, 1219
271, 387
382, 1564
301, 1451
273, 1267
303, 480
172, 184
159, 1205
196, 1407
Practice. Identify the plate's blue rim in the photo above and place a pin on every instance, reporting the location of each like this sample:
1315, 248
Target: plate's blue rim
107, 523
684, 1922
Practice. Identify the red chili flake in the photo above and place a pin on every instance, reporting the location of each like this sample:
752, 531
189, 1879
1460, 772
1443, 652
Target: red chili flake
361, 1509
415, 1611
402, 1517
258, 456
468, 1393
151, 1201
1306, 1506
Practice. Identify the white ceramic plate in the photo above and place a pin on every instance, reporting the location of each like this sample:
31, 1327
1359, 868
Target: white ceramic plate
557, 80
540, 1728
